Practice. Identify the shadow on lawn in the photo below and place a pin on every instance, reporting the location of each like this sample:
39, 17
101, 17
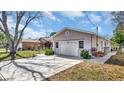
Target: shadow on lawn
5, 57
20, 56
3, 52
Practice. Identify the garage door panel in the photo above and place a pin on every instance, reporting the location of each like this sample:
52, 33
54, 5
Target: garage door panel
69, 48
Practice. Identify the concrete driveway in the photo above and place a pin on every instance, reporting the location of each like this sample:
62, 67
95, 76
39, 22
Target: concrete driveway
36, 68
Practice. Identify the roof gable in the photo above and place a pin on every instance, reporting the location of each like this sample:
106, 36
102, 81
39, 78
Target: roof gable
72, 29
76, 30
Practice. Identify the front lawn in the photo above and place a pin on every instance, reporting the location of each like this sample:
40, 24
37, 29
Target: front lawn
117, 59
90, 71
21, 54
2, 50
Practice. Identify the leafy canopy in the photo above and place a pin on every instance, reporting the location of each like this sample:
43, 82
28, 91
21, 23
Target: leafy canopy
118, 37
2, 36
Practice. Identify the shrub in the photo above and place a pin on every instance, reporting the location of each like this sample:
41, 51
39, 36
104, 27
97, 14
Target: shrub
49, 52
85, 54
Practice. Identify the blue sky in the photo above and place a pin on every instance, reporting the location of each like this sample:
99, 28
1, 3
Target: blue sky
54, 21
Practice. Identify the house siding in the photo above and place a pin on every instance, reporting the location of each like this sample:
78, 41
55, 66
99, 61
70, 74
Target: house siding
89, 40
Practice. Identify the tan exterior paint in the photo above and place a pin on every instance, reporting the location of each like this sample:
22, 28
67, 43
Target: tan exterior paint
88, 38
30, 45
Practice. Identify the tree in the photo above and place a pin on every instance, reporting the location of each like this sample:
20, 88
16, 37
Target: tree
52, 33
118, 20
2, 38
13, 35
3, 41
22, 20
118, 38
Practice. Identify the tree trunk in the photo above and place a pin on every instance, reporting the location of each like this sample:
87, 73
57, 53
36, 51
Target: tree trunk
12, 55
12, 51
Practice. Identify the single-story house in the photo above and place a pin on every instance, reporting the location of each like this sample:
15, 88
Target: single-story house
46, 43
71, 42
30, 44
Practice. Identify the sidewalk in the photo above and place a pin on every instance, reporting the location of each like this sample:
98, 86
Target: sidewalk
102, 59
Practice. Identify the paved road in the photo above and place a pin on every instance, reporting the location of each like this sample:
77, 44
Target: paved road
37, 68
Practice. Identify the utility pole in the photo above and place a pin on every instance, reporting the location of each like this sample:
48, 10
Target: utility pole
96, 29
97, 37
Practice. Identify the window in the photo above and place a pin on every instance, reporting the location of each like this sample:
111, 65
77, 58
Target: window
67, 33
57, 45
81, 44
105, 44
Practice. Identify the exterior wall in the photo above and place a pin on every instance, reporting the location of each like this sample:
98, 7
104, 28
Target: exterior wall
89, 40
31, 45
73, 35
101, 43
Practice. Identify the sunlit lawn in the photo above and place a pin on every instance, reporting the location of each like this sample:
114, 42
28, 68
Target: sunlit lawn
86, 71
2, 50
21, 54
113, 69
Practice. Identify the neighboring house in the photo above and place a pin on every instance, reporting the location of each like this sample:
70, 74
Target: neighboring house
71, 42
30, 44
46, 43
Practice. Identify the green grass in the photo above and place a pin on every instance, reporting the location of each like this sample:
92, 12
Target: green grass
21, 54
2, 50
90, 71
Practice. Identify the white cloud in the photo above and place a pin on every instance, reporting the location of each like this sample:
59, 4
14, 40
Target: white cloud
84, 22
107, 21
37, 24
30, 33
46, 31
50, 15
72, 14
10, 22
108, 17
95, 18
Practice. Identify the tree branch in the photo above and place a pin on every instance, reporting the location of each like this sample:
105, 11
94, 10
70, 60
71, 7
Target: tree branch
19, 16
29, 19
4, 22
2, 29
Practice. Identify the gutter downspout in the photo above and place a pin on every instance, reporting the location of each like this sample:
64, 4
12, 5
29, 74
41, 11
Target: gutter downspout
91, 43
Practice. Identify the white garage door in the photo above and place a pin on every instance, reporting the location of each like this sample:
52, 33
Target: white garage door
68, 48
